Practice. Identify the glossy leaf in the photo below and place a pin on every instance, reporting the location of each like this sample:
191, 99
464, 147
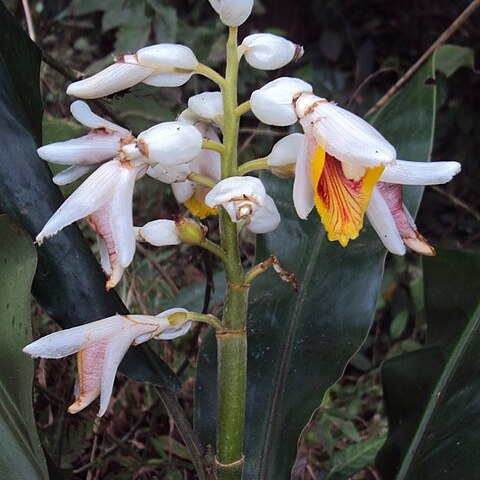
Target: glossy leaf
69, 283
432, 394
300, 342
21, 455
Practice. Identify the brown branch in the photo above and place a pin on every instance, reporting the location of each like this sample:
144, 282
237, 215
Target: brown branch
454, 26
457, 201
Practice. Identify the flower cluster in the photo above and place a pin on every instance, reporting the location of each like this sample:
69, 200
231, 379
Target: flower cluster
342, 165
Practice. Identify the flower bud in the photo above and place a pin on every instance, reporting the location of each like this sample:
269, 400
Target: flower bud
159, 233
269, 52
273, 104
285, 151
169, 143
207, 106
189, 231
232, 12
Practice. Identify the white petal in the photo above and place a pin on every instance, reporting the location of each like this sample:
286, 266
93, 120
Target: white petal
236, 189
232, 12
172, 143
268, 52
112, 79
420, 173
303, 193
84, 115
167, 79
94, 192
170, 173
121, 221
104, 257
71, 174
174, 332
344, 135
93, 148
207, 105
383, 223
286, 150
159, 233
114, 353
182, 191
273, 104
265, 219
167, 55
70, 341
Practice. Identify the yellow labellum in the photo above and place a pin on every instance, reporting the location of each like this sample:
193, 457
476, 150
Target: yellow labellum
196, 203
341, 202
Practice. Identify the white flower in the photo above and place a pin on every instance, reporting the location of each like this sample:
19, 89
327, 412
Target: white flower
232, 12
386, 211
159, 233
102, 143
339, 164
269, 52
168, 143
105, 199
244, 198
100, 347
163, 65
273, 104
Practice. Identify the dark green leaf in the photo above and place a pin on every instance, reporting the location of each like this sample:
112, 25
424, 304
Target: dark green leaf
69, 283
21, 455
432, 394
449, 58
300, 342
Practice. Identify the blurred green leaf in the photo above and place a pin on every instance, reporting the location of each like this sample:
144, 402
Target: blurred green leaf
432, 394
21, 455
354, 458
69, 283
397, 327
449, 58
168, 445
300, 342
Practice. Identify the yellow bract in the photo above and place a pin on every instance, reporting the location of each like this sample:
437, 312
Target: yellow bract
196, 203
341, 202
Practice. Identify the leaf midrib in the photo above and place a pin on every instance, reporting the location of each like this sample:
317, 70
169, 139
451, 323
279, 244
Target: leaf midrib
285, 362
436, 394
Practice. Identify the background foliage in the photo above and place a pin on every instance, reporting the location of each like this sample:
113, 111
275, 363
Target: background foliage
355, 50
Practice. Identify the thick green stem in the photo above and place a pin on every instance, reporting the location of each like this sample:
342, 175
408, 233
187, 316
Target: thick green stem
232, 343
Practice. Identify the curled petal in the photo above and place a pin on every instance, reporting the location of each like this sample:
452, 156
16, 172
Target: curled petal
392, 194
269, 52
265, 219
112, 79
159, 233
273, 104
71, 174
84, 115
96, 147
183, 191
420, 173
303, 190
342, 134
383, 223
